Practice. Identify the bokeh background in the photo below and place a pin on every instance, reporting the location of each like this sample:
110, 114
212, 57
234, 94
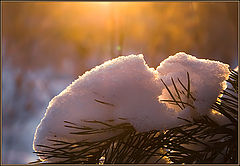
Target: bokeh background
47, 45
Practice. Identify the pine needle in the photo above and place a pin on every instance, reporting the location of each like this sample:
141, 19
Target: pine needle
177, 144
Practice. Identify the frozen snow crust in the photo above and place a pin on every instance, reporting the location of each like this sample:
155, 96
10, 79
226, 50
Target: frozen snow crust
132, 91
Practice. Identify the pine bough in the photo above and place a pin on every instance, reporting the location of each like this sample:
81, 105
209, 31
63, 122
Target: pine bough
200, 140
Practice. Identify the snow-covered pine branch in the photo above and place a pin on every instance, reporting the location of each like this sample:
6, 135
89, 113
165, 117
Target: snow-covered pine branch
126, 91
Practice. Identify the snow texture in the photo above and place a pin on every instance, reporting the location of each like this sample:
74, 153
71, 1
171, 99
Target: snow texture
133, 91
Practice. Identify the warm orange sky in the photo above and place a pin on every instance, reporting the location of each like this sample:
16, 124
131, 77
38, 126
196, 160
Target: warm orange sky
103, 30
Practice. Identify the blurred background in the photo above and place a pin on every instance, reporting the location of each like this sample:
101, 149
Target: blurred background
47, 45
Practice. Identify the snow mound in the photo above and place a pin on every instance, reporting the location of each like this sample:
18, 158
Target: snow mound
207, 77
127, 88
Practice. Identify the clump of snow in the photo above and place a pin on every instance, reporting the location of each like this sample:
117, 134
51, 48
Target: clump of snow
127, 88
207, 77
236, 68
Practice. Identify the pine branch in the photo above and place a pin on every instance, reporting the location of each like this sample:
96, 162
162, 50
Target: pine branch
200, 140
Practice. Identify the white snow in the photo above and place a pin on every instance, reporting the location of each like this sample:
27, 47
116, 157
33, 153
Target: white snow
207, 77
133, 91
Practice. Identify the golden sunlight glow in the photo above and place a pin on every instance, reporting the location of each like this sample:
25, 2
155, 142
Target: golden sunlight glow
215, 112
104, 3
165, 158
